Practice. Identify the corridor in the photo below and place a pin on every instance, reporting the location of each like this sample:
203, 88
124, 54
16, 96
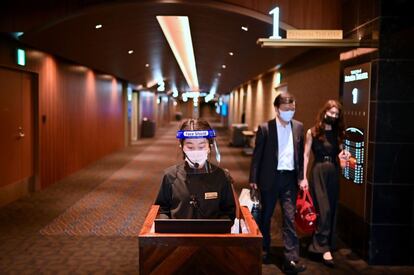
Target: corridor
88, 223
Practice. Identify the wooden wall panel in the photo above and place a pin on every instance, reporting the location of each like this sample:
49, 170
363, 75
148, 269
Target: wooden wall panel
84, 118
80, 113
163, 111
312, 79
28, 91
314, 14
186, 108
259, 101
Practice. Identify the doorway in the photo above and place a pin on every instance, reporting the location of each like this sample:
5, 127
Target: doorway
17, 138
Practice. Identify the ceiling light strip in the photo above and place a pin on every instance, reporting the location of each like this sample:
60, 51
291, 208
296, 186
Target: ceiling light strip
177, 31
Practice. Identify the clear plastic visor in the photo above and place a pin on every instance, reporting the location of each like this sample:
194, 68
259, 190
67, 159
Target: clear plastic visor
199, 151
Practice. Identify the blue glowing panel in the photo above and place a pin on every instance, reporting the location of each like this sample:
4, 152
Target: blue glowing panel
224, 110
21, 57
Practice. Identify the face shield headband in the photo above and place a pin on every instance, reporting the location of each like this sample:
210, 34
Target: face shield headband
208, 134
183, 134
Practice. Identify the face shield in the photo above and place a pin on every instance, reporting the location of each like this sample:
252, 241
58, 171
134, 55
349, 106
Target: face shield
199, 150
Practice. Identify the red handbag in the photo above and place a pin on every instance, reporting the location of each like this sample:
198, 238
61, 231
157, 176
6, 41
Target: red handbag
305, 216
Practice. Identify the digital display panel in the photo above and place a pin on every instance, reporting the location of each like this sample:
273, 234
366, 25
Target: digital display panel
356, 88
354, 143
355, 95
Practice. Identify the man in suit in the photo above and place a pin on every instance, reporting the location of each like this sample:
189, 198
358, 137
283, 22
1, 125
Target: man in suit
277, 170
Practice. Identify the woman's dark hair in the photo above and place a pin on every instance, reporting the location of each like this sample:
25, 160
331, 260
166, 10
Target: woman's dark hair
195, 125
318, 130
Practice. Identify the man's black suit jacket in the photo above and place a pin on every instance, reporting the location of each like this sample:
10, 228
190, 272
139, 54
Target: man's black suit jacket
265, 156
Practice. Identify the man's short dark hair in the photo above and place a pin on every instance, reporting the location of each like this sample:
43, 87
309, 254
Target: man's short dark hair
283, 98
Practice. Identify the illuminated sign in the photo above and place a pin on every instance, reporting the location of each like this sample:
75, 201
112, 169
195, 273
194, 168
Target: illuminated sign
224, 110
356, 75
275, 13
355, 96
356, 81
21, 57
314, 34
161, 86
278, 78
355, 99
129, 94
302, 34
304, 38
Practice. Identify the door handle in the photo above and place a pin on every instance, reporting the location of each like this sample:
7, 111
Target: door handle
21, 133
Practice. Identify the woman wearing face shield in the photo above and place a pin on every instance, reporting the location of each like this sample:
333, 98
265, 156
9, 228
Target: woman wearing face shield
196, 188
325, 140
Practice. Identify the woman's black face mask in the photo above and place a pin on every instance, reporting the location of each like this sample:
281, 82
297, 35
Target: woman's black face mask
330, 120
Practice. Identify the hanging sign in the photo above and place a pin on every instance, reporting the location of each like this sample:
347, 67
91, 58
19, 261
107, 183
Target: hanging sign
314, 34
275, 13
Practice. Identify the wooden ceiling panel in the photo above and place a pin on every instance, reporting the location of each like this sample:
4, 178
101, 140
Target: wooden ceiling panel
132, 25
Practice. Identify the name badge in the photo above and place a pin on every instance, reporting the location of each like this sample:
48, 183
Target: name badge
210, 195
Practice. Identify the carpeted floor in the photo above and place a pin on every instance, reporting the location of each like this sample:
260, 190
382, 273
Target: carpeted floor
88, 222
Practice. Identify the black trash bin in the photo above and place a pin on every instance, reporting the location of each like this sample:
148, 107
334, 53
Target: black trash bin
237, 138
147, 128
178, 116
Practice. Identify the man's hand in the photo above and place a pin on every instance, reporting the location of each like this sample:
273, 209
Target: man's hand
303, 184
253, 185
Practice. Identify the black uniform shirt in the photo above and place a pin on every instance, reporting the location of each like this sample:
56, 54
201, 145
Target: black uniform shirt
184, 195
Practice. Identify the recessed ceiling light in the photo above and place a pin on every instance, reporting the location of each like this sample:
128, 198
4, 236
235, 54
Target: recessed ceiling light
130, 51
219, 74
147, 65
223, 66
245, 28
231, 53
98, 26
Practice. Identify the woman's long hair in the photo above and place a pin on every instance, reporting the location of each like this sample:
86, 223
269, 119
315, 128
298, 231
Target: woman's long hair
318, 130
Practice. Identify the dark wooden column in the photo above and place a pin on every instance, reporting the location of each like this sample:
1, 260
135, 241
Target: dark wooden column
385, 235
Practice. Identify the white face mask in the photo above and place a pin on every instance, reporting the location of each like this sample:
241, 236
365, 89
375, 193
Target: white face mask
195, 157
286, 115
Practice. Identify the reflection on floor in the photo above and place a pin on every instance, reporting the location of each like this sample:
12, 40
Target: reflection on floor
87, 223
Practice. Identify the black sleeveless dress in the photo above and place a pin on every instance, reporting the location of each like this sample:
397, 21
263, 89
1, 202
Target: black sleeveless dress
324, 187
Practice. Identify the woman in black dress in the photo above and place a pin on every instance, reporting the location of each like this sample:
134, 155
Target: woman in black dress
325, 140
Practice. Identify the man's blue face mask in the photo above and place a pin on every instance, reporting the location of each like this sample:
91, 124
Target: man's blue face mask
286, 115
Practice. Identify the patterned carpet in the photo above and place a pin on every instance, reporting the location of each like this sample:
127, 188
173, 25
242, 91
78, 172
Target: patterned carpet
111, 209
88, 223
70, 228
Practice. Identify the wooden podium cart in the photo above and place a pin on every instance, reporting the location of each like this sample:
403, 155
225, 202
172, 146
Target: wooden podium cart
162, 253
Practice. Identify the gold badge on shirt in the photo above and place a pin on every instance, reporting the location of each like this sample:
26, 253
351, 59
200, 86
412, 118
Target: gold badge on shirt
210, 195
